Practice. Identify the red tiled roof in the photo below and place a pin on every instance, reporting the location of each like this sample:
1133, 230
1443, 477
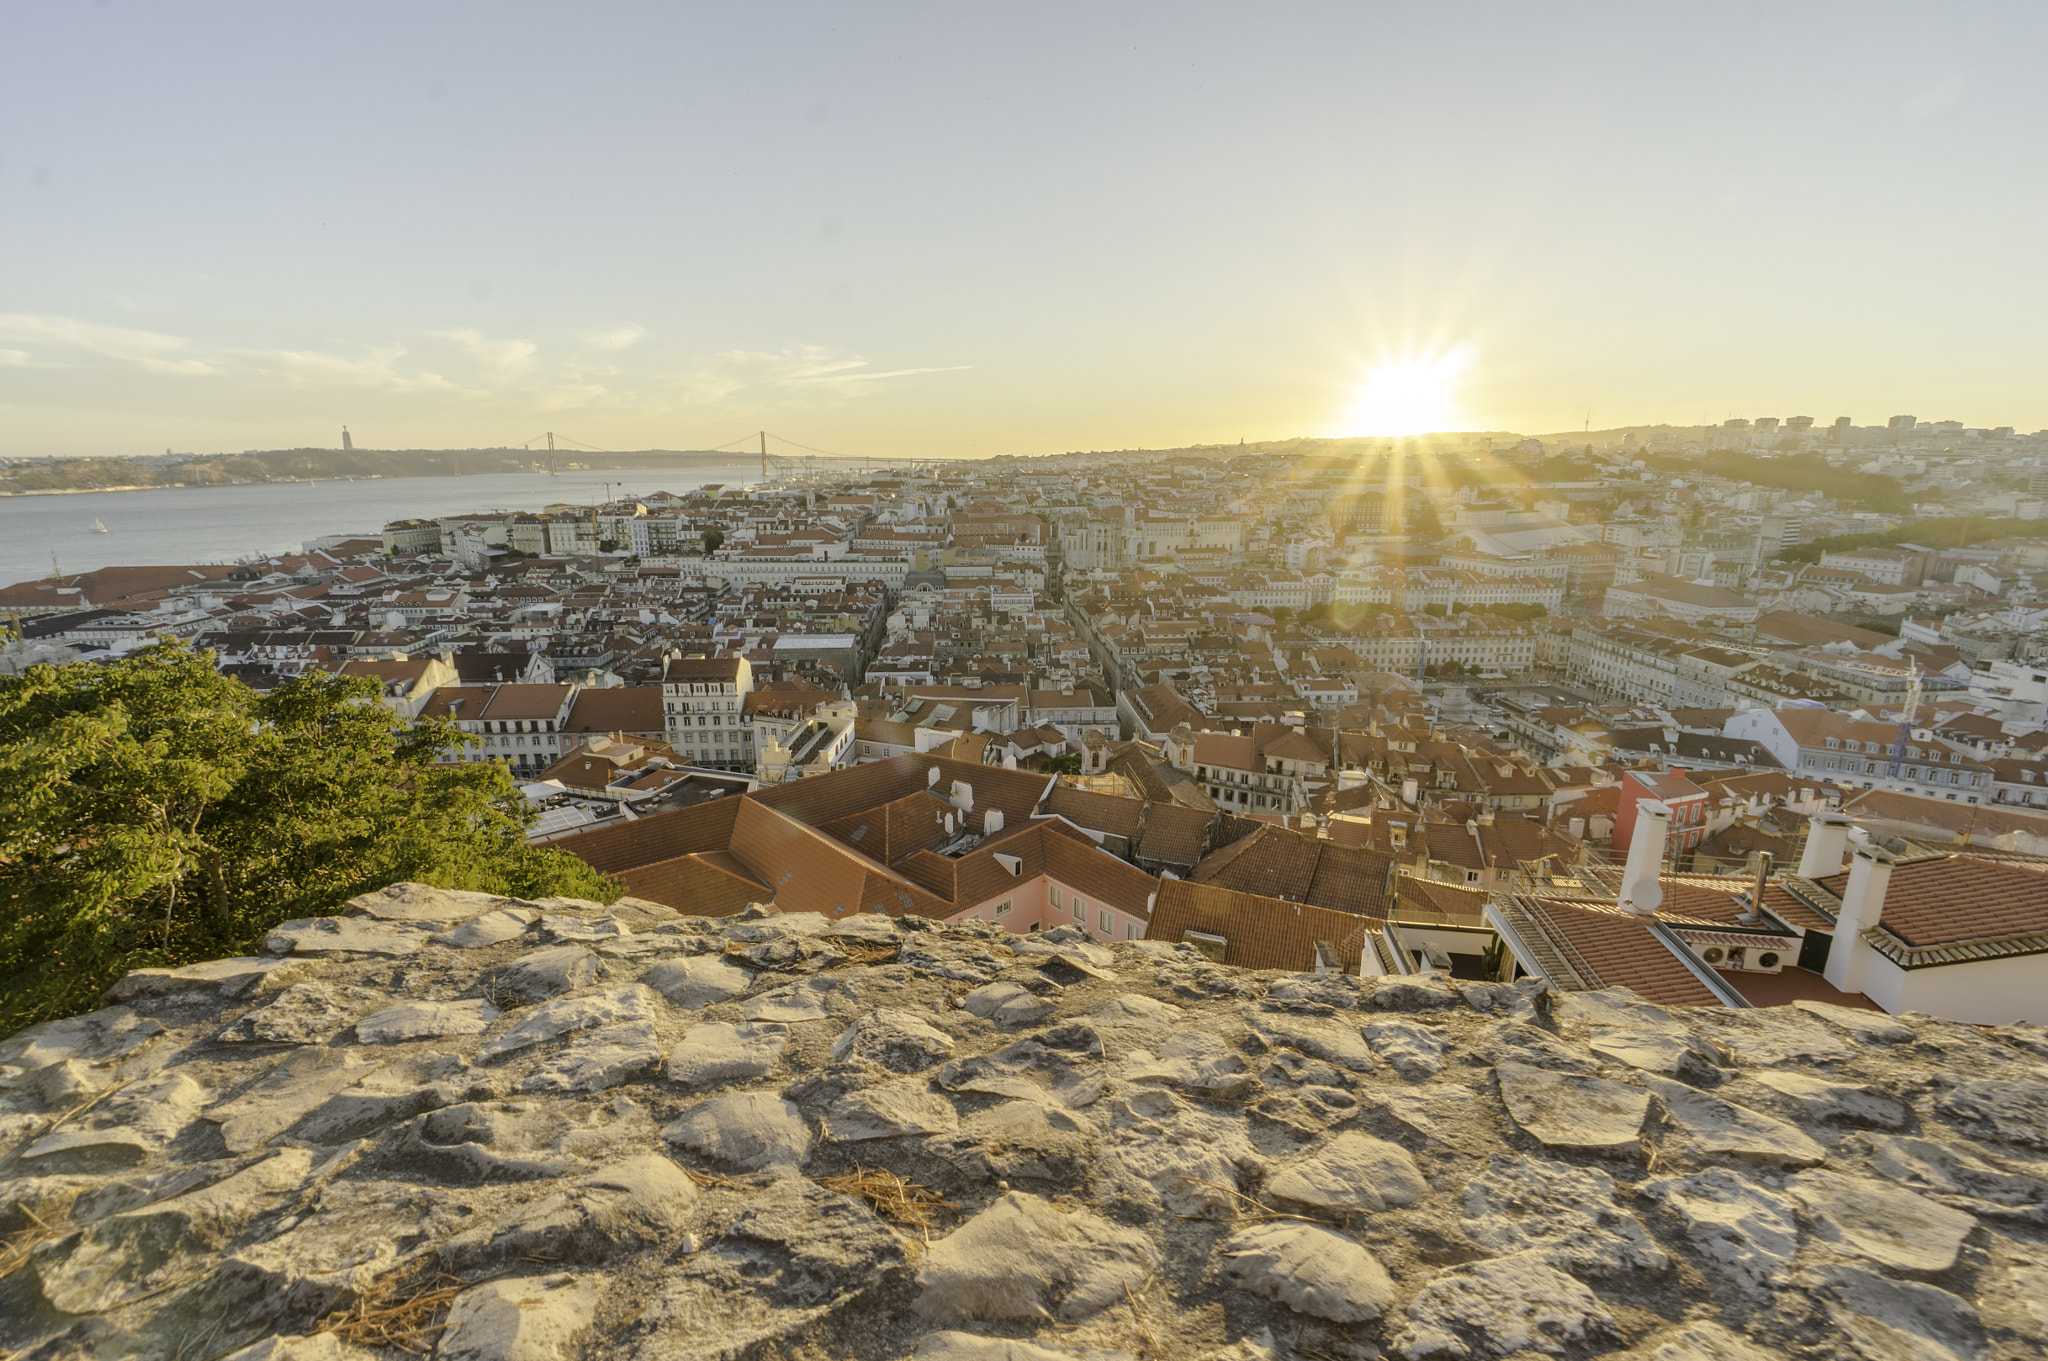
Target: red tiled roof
1620, 951
1259, 932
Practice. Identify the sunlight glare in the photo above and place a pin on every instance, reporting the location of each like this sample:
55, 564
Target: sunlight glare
1412, 395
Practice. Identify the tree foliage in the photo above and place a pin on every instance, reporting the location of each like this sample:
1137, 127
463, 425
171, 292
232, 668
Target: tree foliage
711, 540
155, 812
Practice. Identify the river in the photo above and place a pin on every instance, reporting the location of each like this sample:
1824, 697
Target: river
171, 525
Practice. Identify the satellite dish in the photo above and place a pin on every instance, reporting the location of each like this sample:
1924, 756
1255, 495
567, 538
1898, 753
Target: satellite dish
1644, 895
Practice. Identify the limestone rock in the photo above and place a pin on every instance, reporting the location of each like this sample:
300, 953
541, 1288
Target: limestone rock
1877, 1220
1352, 1171
527, 1318
1022, 1141
227, 978
1749, 1230
1503, 1306
809, 1000
1193, 1062
791, 1266
1819, 1099
892, 1110
423, 903
426, 1020
1871, 1026
631, 1205
1573, 1111
1310, 1269
1698, 1340
597, 1059
546, 973
345, 935
697, 982
566, 1015
1717, 1126
1186, 1158
900, 1041
2010, 1112
140, 1120
130, 1254
1956, 1179
1022, 1258
1663, 1052
720, 1052
952, 1345
565, 928
292, 1087
1567, 1215
492, 928
1007, 1004
1331, 1041
1414, 1051
1899, 1320
316, 1347
747, 1132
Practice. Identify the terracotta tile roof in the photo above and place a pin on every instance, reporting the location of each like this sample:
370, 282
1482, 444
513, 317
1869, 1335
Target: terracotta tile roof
624, 708
1259, 932
824, 798
714, 885
1608, 947
1174, 835
657, 837
1277, 862
1427, 895
1955, 899
888, 833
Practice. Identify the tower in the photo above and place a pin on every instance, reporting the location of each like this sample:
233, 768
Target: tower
346, 443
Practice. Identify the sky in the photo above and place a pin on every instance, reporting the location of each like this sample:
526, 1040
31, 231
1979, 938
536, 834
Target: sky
969, 229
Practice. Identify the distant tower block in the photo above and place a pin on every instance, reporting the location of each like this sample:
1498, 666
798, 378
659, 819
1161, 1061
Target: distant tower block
346, 442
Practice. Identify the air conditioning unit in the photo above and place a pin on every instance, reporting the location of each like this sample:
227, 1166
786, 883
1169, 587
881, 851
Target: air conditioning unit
1717, 957
1766, 961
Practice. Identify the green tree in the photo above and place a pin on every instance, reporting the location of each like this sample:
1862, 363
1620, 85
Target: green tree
713, 537
1066, 763
155, 812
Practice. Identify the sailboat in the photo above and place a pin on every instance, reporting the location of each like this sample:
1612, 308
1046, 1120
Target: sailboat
98, 528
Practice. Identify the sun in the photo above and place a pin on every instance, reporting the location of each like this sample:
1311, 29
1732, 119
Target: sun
1411, 395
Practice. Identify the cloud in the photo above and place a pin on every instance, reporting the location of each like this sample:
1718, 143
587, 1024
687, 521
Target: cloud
501, 360
150, 351
807, 368
374, 369
1935, 97
618, 338
13, 358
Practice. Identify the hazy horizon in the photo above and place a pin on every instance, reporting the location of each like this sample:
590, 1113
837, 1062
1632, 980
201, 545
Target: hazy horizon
906, 231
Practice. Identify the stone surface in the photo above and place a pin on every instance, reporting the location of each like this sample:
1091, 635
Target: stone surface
1503, 1306
426, 1021
1134, 1154
724, 1052
893, 1110
546, 973
492, 928
1023, 1258
345, 935
528, 1318
747, 1132
1881, 1221
1310, 1269
1818, 1099
1411, 1049
566, 1015
1008, 1004
1716, 1126
1573, 1111
1352, 1171
1567, 1215
1744, 1227
699, 981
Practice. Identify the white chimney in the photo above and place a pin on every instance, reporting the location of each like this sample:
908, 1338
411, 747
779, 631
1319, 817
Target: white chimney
963, 796
1827, 841
992, 822
1870, 873
1409, 790
931, 777
1641, 890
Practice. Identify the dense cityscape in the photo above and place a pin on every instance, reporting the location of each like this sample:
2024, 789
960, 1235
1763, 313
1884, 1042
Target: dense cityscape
1399, 698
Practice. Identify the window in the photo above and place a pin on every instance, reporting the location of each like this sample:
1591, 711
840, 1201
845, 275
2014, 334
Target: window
1080, 909
1130, 931
1055, 892
1102, 916
1003, 907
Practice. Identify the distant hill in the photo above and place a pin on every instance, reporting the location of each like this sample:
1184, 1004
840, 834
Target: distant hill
305, 465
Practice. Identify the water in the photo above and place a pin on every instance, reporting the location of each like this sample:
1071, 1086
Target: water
172, 525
